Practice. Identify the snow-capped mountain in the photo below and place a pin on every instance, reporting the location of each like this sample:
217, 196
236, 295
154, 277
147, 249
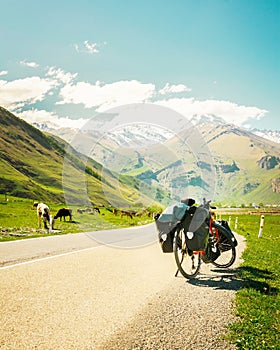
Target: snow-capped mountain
143, 135
246, 164
134, 135
140, 135
272, 135
45, 126
206, 119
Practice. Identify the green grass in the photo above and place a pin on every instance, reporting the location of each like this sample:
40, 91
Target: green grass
258, 302
18, 220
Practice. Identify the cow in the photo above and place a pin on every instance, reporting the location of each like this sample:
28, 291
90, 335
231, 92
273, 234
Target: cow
156, 216
43, 213
96, 210
62, 213
128, 213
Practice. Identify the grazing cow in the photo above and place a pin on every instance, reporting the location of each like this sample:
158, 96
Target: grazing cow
62, 213
128, 213
96, 210
43, 213
156, 216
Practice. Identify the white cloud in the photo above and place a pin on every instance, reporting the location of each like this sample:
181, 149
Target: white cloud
229, 111
91, 48
60, 75
53, 120
23, 91
20, 93
29, 64
106, 96
171, 89
87, 47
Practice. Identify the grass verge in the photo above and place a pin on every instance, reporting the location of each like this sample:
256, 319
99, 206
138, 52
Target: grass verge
18, 220
258, 302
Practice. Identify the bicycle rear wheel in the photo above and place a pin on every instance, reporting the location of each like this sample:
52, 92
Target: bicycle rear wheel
187, 261
225, 245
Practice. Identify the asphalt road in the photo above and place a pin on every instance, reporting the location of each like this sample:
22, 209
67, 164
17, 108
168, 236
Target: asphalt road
72, 292
78, 291
14, 252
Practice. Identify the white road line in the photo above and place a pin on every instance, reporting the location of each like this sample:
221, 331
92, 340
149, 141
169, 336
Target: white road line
16, 241
48, 257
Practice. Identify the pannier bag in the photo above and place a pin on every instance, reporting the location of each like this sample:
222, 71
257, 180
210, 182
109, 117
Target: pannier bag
225, 224
211, 253
196, 228
166, 232
167, 223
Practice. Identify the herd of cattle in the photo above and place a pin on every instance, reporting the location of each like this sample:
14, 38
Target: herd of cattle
44, 214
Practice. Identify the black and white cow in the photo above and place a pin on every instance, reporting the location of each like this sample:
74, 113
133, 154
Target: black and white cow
44, 213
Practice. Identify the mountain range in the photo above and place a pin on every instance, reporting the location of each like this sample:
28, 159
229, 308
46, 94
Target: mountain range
240, 167
44, 167
138, 163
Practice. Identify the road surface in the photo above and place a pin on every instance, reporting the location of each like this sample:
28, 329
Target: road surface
99, 290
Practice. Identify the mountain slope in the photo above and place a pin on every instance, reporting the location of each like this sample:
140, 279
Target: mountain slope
237, 156
250, 182
242, 166
42, 167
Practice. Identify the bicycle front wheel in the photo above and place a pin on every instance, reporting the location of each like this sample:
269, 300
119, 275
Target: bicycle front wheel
225, 245
188, 262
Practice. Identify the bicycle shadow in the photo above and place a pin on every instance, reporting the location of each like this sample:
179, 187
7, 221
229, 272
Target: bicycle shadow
220, 280
258, 279
229, 280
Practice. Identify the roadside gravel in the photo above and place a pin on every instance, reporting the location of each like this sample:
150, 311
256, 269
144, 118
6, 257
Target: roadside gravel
188, 315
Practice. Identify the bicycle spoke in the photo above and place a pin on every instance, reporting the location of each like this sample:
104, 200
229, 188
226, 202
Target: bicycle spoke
188, 263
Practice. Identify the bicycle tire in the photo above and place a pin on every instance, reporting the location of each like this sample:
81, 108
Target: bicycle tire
187, 261
225, 245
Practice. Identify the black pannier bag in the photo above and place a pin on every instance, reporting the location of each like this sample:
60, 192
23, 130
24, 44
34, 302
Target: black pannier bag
166, 232
196, 228
212, 252
225, 224
167, 224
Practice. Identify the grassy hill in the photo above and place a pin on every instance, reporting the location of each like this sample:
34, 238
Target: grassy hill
43, 167
248, 182
236, 156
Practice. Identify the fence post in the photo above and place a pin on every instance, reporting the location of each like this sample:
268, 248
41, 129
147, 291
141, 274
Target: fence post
229, 221
236, 223
261, 226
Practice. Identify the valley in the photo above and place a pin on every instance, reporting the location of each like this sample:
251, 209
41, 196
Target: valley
234, 166
138, 164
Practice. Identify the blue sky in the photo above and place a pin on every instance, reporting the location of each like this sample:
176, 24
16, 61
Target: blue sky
64, 60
